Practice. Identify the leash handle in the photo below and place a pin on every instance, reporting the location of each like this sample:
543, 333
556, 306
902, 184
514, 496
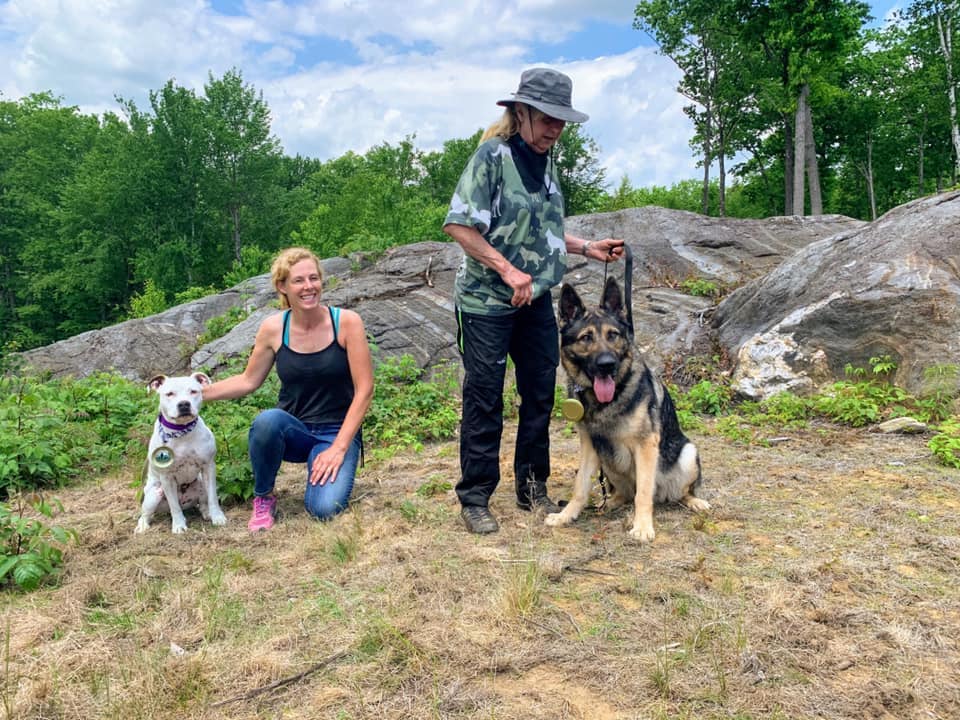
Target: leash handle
628, 284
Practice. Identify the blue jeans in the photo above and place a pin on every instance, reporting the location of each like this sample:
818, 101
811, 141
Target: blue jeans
277, 436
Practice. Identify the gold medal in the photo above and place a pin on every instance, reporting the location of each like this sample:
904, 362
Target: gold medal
162, 457
572, 409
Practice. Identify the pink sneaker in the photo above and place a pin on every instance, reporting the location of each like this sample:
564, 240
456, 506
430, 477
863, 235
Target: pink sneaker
264, 511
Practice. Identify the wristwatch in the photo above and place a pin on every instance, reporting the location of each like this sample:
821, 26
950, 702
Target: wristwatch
586, 247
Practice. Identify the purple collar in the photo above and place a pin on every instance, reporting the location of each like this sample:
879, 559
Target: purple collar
169, 430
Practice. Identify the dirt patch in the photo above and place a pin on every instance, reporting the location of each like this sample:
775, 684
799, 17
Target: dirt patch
822, 584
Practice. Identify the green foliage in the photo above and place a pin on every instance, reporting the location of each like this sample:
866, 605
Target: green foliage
408, 408
940, 392
220, 325
785, 409
700, 287
945, 445
709, 397
253, 261
32, 550
52, 432
150, 301
193, 293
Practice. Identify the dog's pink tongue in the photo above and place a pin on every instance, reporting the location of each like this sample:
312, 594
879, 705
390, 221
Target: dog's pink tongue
604, 388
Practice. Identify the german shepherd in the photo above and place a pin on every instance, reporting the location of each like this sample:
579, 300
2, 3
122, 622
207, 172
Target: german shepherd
629, 427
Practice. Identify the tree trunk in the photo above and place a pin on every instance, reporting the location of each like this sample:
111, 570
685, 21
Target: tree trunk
799, 150
813, 171
722, 169
871, 193
946, 48
920, 143
787, 167
235, 217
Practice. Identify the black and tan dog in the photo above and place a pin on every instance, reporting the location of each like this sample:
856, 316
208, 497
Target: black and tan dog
629, 426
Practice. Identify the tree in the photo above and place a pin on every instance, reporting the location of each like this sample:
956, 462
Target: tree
582, 180
804, 44
243, 154
696, 35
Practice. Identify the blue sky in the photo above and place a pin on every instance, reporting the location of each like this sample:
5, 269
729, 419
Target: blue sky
342, 76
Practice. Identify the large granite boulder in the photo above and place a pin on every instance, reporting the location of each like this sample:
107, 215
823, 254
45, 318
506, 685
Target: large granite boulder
891, 287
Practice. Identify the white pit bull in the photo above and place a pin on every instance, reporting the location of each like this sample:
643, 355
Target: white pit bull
181, 467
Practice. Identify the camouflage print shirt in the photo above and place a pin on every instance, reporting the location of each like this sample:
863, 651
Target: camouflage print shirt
526, 228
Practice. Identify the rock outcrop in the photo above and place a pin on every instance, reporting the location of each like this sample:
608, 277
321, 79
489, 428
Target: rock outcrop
815, 294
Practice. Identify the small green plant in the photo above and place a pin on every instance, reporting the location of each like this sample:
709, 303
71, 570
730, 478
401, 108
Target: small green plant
709, 397
945, 445
785, 408
220, 325
883, 365
434, 486
700, 287
32, 550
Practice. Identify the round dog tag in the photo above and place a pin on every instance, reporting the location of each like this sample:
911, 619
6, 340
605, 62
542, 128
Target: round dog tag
163, 456
572, 409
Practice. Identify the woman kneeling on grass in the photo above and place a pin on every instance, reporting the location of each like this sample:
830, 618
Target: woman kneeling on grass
326, 385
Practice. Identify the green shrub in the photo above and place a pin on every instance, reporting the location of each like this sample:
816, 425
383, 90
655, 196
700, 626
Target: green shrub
709, 397
408, 409
32, 550
220, 325
149, 302
946, 443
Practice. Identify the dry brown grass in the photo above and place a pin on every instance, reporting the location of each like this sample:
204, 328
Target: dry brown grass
823, 584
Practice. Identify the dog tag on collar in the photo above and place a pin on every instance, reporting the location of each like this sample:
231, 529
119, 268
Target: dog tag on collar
572, 409
162, 457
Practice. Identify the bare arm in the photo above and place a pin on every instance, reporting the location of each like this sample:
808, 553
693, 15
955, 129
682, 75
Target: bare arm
476, 246
606, 250
257, 369
327, 464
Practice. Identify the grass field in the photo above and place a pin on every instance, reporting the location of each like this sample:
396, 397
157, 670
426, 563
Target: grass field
823, 584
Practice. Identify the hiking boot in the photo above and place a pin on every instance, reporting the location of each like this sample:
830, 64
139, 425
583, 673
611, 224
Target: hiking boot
264, 512
478, 519
535, 498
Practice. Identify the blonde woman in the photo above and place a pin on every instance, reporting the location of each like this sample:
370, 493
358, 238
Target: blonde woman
326, 385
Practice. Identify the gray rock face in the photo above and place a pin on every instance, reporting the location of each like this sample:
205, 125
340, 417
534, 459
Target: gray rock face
820, 292
889, 288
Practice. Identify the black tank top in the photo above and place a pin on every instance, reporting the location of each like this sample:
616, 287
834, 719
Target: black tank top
314, 387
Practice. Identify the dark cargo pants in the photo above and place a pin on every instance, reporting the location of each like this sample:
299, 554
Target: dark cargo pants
529, 336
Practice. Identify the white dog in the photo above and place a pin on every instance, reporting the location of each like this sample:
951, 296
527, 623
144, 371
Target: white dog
181, 467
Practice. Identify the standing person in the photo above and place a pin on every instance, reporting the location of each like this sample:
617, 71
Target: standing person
507, 215
326, 384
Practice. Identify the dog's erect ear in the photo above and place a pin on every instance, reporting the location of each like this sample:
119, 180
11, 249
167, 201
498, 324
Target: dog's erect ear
202, 378
612, 297
570, 304
156, 382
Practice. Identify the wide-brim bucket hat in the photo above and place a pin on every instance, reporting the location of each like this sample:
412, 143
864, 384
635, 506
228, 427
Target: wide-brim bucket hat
549, 92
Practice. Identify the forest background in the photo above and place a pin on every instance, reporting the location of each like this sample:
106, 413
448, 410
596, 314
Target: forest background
801, 106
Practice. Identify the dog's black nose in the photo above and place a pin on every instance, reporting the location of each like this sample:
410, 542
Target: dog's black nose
184, 408
606, 364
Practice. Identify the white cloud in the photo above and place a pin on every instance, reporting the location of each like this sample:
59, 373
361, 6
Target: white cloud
438, 78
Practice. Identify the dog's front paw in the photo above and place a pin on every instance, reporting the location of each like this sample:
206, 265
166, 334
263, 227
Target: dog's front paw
697, 504
142, 526
218, 518
557, 519
643, 533
178, 528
